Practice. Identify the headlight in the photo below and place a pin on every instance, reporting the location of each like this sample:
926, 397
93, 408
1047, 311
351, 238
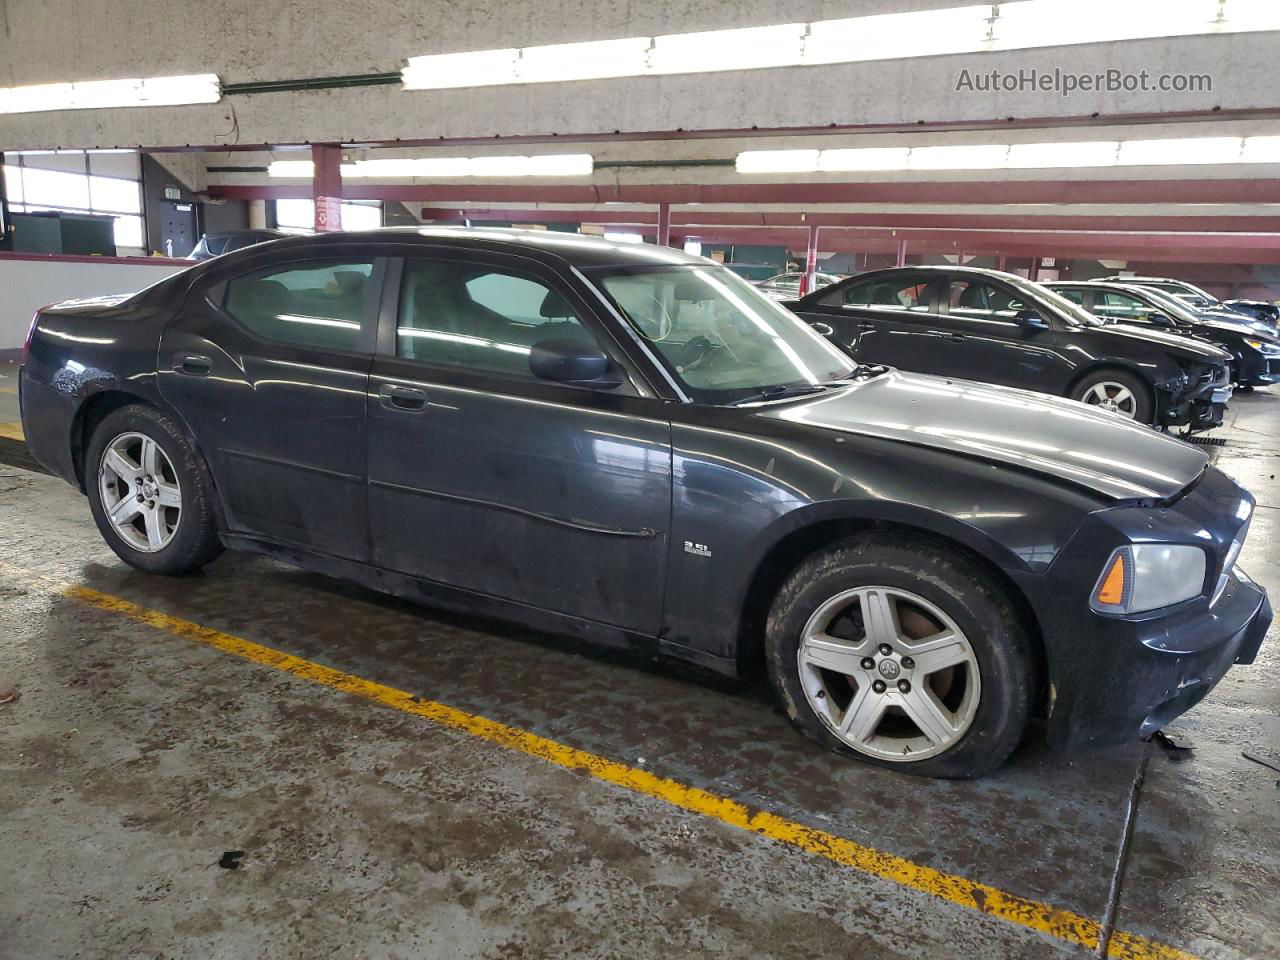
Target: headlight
1148, 576
1270, 349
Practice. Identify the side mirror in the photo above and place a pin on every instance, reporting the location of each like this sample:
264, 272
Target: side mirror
1161, 320
573, 362
1031, 319
823, 329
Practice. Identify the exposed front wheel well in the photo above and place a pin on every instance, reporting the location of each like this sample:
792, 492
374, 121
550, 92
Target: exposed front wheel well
796, 547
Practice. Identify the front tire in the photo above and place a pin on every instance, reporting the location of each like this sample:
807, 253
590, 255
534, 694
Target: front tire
904, 654
150, 493
1118, 392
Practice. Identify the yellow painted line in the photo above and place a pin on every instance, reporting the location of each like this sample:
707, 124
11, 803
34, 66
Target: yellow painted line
1031, 914
4, 389
12, 430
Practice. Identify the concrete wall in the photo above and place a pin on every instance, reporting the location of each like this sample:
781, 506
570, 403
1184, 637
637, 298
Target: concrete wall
58, 40
30, 284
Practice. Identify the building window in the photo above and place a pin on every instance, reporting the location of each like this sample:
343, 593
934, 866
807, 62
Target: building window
299, 216
106, 183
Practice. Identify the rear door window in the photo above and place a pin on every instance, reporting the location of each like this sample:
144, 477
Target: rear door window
908, 295
311, 305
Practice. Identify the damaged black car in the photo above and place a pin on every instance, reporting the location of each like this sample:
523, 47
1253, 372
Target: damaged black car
636, 447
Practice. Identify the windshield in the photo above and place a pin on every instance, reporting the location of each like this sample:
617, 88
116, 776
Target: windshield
720, 336
1183, 291
1071, 312
1167, 302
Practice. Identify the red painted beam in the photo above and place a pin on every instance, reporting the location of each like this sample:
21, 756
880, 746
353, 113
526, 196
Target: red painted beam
887, 220
942, 192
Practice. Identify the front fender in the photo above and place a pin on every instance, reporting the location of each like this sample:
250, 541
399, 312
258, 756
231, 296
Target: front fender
742, 506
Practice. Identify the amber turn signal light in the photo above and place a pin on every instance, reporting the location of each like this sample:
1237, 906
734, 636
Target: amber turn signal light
1111, 590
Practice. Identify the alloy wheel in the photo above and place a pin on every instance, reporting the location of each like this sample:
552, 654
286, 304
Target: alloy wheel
889, 673
140, 492
1112, 397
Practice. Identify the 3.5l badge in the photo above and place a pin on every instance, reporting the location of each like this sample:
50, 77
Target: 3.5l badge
697, 549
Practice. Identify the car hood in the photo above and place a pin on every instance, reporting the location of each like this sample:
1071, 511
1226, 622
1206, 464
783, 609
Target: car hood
1178, 343
1234, 326
1253, 324
1057, 438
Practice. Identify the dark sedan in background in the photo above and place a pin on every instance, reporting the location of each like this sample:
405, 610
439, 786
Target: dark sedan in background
636, 447
1255, 356
999, 328
1201, 299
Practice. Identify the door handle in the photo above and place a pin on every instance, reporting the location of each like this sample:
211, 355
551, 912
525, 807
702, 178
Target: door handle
410, 399
866, 327
192, 364
959, 336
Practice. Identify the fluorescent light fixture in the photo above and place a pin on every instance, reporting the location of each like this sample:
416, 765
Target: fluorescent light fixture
300, 169
446, 168
1183, 151
623, 237
561, 165
479, 68
863, 158
1087, 153
597, 59
100, 94
777, 161
745, 48
1055, 23
982, 156
972, 28
1261, 150
888, 36
1017, 156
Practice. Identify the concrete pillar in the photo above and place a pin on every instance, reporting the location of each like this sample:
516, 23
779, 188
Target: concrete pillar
326, 186
1002, 263
902, 253
257, 214
664, 224
810, 261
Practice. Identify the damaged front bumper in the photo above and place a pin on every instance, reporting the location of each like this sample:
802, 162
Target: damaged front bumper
1116, 678
1157, 670
1203, 404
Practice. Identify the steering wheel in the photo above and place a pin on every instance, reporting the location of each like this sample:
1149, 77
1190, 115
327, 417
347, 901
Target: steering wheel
693, 352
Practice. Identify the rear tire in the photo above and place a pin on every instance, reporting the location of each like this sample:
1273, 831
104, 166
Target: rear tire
943, 689
1119, 391
150, 493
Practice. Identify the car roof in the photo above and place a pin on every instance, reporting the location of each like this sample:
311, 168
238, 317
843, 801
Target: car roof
578, 250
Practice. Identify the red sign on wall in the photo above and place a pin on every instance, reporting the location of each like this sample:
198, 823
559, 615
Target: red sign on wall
328, 214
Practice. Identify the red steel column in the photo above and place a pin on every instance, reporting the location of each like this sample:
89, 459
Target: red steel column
902, 253
1002, 263
810, 261
326, 186
664, 224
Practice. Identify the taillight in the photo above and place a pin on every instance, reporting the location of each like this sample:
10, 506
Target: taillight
31, 333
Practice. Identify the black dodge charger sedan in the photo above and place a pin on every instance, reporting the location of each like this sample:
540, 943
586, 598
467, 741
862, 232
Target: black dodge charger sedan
1255, 357
999, 328
636, 447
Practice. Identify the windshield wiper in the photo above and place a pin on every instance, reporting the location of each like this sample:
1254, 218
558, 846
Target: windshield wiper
779, 392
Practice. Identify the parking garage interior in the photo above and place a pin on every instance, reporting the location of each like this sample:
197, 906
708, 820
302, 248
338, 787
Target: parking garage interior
262, 759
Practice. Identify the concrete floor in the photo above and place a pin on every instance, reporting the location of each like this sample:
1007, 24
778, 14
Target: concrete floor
136, 756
